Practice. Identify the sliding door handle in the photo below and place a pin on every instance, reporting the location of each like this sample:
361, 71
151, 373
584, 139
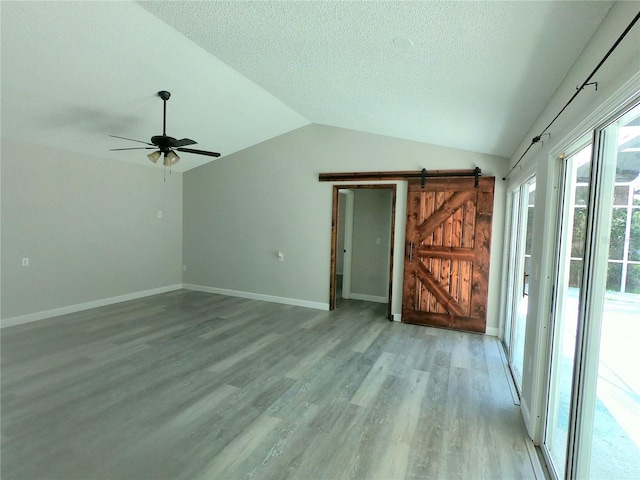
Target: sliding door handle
524, 284
411, 251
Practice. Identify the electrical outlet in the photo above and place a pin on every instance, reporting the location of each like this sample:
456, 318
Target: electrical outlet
280, 257
25, 262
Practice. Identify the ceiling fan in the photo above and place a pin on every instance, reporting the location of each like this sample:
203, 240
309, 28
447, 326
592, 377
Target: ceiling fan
165, 145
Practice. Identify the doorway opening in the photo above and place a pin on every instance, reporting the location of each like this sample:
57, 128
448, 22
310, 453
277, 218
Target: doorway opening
362, 236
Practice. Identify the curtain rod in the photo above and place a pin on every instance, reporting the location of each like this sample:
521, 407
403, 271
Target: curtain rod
537, 138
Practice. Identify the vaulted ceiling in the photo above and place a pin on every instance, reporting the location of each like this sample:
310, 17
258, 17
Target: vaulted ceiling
469, 75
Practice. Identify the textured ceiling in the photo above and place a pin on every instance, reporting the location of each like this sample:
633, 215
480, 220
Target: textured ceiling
477, 76
470, 75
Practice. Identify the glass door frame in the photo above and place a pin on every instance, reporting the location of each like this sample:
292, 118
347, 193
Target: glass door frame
594, 278
591, 304
513, 196
518, 195
564, 207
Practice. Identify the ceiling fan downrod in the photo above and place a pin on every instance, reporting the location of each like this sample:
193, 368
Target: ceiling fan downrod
164, 95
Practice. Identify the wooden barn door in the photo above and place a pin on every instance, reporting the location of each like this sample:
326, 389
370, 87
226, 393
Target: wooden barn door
448, 239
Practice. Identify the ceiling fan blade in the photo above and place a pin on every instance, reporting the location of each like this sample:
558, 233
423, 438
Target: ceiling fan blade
198, 152
183, 143
135, 148
131, 139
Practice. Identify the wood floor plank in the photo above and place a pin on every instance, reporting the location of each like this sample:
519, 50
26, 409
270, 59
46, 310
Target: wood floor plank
392, 464
374, 380
240, 448
189, 385
364, 340
271, 455
407, 416
247, 352
304, 364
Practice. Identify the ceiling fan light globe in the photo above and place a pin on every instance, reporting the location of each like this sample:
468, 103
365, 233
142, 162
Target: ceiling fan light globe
154, 156
170, 158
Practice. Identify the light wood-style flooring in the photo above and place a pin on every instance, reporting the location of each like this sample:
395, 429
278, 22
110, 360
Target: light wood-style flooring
195, 385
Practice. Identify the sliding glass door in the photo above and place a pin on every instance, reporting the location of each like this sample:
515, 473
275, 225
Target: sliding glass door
592, 427
520, 268
572, 234
611, 418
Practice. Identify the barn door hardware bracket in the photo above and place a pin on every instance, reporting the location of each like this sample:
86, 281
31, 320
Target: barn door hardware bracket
476, 174
578, 87
423, 176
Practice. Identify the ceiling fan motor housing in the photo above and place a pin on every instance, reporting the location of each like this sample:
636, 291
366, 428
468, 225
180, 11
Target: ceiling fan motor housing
163, 142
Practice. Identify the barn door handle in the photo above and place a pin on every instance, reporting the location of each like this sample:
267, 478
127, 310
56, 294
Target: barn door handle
411, 251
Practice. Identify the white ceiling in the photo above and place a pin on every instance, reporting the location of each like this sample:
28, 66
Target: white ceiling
476, 76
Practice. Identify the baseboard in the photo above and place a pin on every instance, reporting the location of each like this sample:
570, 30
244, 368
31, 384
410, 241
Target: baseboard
368, 298
257, 296
397, 317
492, 331
526, 414
33, 317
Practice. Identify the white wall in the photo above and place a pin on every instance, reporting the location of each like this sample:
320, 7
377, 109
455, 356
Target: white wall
89, 227
242, 209
621, 66
370, 259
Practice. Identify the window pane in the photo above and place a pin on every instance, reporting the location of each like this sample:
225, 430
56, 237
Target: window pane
633, 279
621, 195
529, 239
628, 167
634, 240
618, 233
577, 239
615, 452
582, 175
575, 273
614, 276
582, 195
